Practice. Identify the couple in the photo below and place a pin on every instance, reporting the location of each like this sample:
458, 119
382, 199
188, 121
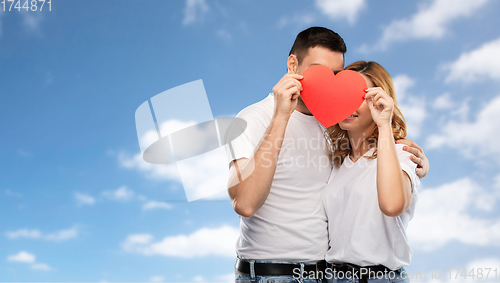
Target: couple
337, 211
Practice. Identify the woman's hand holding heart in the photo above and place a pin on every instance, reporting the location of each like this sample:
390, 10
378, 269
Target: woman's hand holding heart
381, 106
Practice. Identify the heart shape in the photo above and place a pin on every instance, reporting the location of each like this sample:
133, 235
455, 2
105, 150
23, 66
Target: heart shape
332, 98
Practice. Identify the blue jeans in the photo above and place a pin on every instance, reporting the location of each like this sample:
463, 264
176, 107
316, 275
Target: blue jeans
294, 278
397, 276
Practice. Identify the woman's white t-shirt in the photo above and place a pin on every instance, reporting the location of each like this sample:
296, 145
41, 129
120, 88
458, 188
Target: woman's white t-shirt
359, 233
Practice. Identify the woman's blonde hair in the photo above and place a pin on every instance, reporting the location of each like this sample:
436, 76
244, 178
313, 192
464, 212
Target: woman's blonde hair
339, 139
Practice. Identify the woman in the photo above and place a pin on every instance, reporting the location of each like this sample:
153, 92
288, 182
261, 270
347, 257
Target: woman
371, 197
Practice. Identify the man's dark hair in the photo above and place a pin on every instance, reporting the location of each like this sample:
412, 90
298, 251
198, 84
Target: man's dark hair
316, 36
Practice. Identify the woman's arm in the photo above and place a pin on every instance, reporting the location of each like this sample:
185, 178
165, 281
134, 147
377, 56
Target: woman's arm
393, 185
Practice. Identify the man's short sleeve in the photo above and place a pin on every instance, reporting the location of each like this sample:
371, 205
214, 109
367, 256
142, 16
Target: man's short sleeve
257, 120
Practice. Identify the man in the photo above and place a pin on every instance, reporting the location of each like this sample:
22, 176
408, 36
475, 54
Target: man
279, 166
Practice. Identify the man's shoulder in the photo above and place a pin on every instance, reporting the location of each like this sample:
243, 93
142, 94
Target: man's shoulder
261, 110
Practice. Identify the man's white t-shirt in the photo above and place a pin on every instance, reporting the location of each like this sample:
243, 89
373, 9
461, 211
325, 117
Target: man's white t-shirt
291, 225
359, 232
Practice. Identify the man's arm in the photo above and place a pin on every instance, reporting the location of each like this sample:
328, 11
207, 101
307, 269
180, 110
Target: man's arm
250, 179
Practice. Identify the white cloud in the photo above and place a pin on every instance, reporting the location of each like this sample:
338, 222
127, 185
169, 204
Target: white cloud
443, 101
166, 128
58, 236
485, 263
121, 194
41, 266
413, 107
12, 193
224, 34
157, 279
25, 257
137, 239
431, 21
63, 235
453, 107
150, 205
205, 176
341, 9
478, 270
229, 278
24, 233
49, 78
443, 215
225, 278
204, 242
22, 256
297, 19
476, 65
199, 278
1, 15
195, 11
84, 199
472, 139
489, 262
152, 171
402, 83
202, 170
183, 144
32, 21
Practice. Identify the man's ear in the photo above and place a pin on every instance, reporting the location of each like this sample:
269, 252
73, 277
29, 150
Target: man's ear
292, 64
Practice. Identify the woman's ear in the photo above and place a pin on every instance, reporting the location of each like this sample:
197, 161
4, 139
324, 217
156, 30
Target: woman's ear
292, 64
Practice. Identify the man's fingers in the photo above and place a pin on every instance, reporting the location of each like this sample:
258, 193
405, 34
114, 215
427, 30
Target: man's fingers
289, 92
413, 151
292, 82
422, 161
410, 143
299, 85
295, 76
420, 172
285, 79
288, 85
416, 160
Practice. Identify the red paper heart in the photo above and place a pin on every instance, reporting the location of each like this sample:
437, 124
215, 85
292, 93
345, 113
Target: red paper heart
332, 98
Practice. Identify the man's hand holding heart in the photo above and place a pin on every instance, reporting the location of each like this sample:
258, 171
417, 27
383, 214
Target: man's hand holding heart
286, 93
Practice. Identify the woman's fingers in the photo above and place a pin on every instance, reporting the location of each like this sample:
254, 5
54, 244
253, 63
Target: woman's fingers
379, 98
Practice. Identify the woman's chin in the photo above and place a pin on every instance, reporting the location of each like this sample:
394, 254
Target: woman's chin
346, 125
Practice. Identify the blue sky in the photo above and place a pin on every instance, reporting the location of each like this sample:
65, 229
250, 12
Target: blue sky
77, 204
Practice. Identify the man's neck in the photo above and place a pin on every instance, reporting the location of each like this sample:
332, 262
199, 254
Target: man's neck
301, 107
